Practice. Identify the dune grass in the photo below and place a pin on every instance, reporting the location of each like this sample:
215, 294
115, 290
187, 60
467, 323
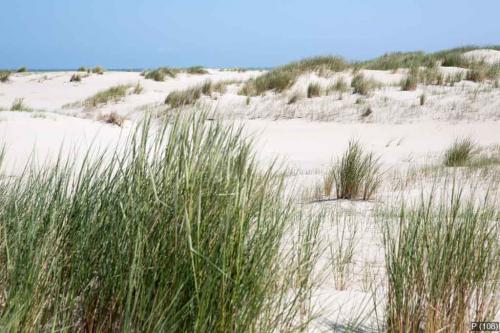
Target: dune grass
362, 85
113, 94
160, 74
459, 153
22, 70
183, 233
75, 78
411, 80
4, 76
196, 70
340, 86
449, 57
442, 259
313, 90
98, 70
355, 175
189, 96
282, 78
19, 105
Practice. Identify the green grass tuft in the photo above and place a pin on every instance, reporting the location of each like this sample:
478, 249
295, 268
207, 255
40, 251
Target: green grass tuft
442, 267
184, 233
362, 85
282, 78
189, 96
196, 70
355, 175
460, 153
4, 76
19, 105
98, 70
75, 78
113, 94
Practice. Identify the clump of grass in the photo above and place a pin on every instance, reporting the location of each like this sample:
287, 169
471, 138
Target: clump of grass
113, 118
19, 105
460, 153
395, 60
207, 88
411, 81
221, 86
442, 264
22, 70
362, 85
422, 99
159, 74
185, 233
277, 81
429, 75
294, 98
355, 175
179, 98
476, 74
451, 79
196, 70
313, 90
75, 78
4, 76
98, 70
340, 85
82, 69
113, 94
282, 78
138, 89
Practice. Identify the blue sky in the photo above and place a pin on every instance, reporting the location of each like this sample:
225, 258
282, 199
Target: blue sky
252, 33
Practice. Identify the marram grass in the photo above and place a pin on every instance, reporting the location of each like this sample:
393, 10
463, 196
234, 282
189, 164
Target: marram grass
181, 234
442, 258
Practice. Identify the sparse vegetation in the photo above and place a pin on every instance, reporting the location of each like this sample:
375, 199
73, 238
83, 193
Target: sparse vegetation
22, 70
410, 83
75, 78
460, 153
18, 105
340, 85
196, 70
4, 76
442, 267
159, 74
182, 234
207, 88
98, 70
355, 175
82, 69
282, 78
313, 90
113, 94
138, 88
362, 85
422, 99
294, 98
186, 97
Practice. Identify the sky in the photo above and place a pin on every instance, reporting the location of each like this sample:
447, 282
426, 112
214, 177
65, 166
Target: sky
64, 34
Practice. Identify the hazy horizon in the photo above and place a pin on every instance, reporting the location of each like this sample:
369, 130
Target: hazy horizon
125, 34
